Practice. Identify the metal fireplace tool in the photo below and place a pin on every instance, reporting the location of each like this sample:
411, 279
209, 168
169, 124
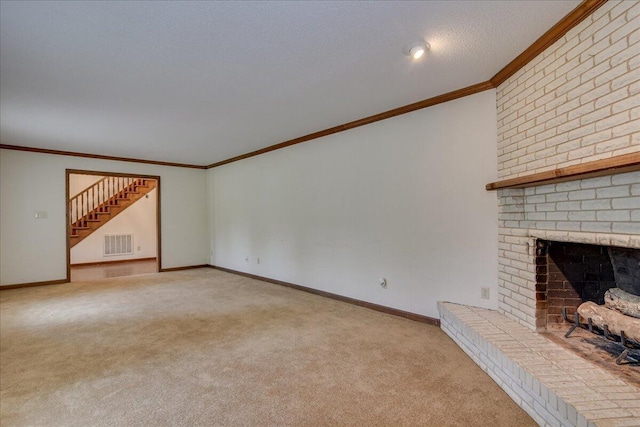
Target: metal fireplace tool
629, 348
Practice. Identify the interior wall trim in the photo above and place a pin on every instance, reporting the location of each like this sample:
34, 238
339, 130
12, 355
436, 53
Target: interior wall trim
61, 281
573, 18
450, 96
115, 261
31, 284
97, 156
186, 267
388, 310
613, 165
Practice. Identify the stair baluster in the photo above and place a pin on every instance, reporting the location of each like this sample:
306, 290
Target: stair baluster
98, 203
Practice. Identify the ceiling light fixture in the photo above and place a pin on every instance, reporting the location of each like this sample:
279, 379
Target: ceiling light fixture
416, 49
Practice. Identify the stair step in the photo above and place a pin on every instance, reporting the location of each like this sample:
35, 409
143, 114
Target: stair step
112, 207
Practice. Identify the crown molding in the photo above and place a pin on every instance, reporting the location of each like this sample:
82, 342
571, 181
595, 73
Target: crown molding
97, 156
573, 18
450, 96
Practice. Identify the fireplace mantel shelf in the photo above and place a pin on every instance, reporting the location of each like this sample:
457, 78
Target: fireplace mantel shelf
619, 164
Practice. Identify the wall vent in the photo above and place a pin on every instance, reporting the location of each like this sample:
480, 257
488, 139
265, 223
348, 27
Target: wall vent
118, 244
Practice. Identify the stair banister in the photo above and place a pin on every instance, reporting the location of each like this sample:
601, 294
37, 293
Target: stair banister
100, 202
96, 195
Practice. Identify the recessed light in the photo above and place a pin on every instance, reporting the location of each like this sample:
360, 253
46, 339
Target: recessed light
416, 50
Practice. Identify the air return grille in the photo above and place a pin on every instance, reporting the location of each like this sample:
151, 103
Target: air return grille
118, 244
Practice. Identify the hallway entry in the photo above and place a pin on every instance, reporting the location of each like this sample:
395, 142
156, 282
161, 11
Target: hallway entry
113, 225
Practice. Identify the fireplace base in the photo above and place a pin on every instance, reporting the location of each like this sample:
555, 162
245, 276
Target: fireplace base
598, 351
552, 384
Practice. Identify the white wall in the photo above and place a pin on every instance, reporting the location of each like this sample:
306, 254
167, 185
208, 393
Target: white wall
138, 219
403, 198
33, 250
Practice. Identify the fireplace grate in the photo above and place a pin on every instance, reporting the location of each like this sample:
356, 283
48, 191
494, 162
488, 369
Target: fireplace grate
630, 349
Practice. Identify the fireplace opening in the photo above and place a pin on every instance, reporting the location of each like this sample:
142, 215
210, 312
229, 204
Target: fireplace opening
598, 287
568, 274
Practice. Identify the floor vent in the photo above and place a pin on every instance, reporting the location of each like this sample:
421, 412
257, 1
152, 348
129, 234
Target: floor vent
118, 244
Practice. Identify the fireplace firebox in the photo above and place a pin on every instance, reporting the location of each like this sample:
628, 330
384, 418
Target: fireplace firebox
568, 274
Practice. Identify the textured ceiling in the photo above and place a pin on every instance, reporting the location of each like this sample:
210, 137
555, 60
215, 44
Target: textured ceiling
199, 82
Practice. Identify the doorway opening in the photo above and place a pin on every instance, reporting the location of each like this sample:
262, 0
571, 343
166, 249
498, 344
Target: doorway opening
113, 224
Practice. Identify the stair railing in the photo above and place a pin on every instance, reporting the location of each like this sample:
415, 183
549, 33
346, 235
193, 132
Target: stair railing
96, 195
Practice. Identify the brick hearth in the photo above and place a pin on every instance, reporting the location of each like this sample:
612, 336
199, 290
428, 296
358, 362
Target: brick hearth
553, 385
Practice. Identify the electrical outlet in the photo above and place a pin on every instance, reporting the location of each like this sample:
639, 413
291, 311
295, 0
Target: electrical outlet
485, 293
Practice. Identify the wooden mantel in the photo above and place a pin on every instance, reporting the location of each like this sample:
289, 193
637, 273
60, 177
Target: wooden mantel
619, 164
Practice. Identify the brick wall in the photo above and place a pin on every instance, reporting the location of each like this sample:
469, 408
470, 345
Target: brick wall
608, 204
603, 211
578, 101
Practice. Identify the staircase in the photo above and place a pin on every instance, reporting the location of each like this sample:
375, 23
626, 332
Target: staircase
101, 202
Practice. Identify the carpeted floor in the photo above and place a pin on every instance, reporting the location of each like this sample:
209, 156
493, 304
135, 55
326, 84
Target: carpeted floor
207, 348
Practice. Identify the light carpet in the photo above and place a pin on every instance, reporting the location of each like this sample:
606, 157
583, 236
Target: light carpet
208, 348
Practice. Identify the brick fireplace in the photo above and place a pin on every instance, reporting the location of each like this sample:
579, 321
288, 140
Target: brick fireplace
575, 103
592, 212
